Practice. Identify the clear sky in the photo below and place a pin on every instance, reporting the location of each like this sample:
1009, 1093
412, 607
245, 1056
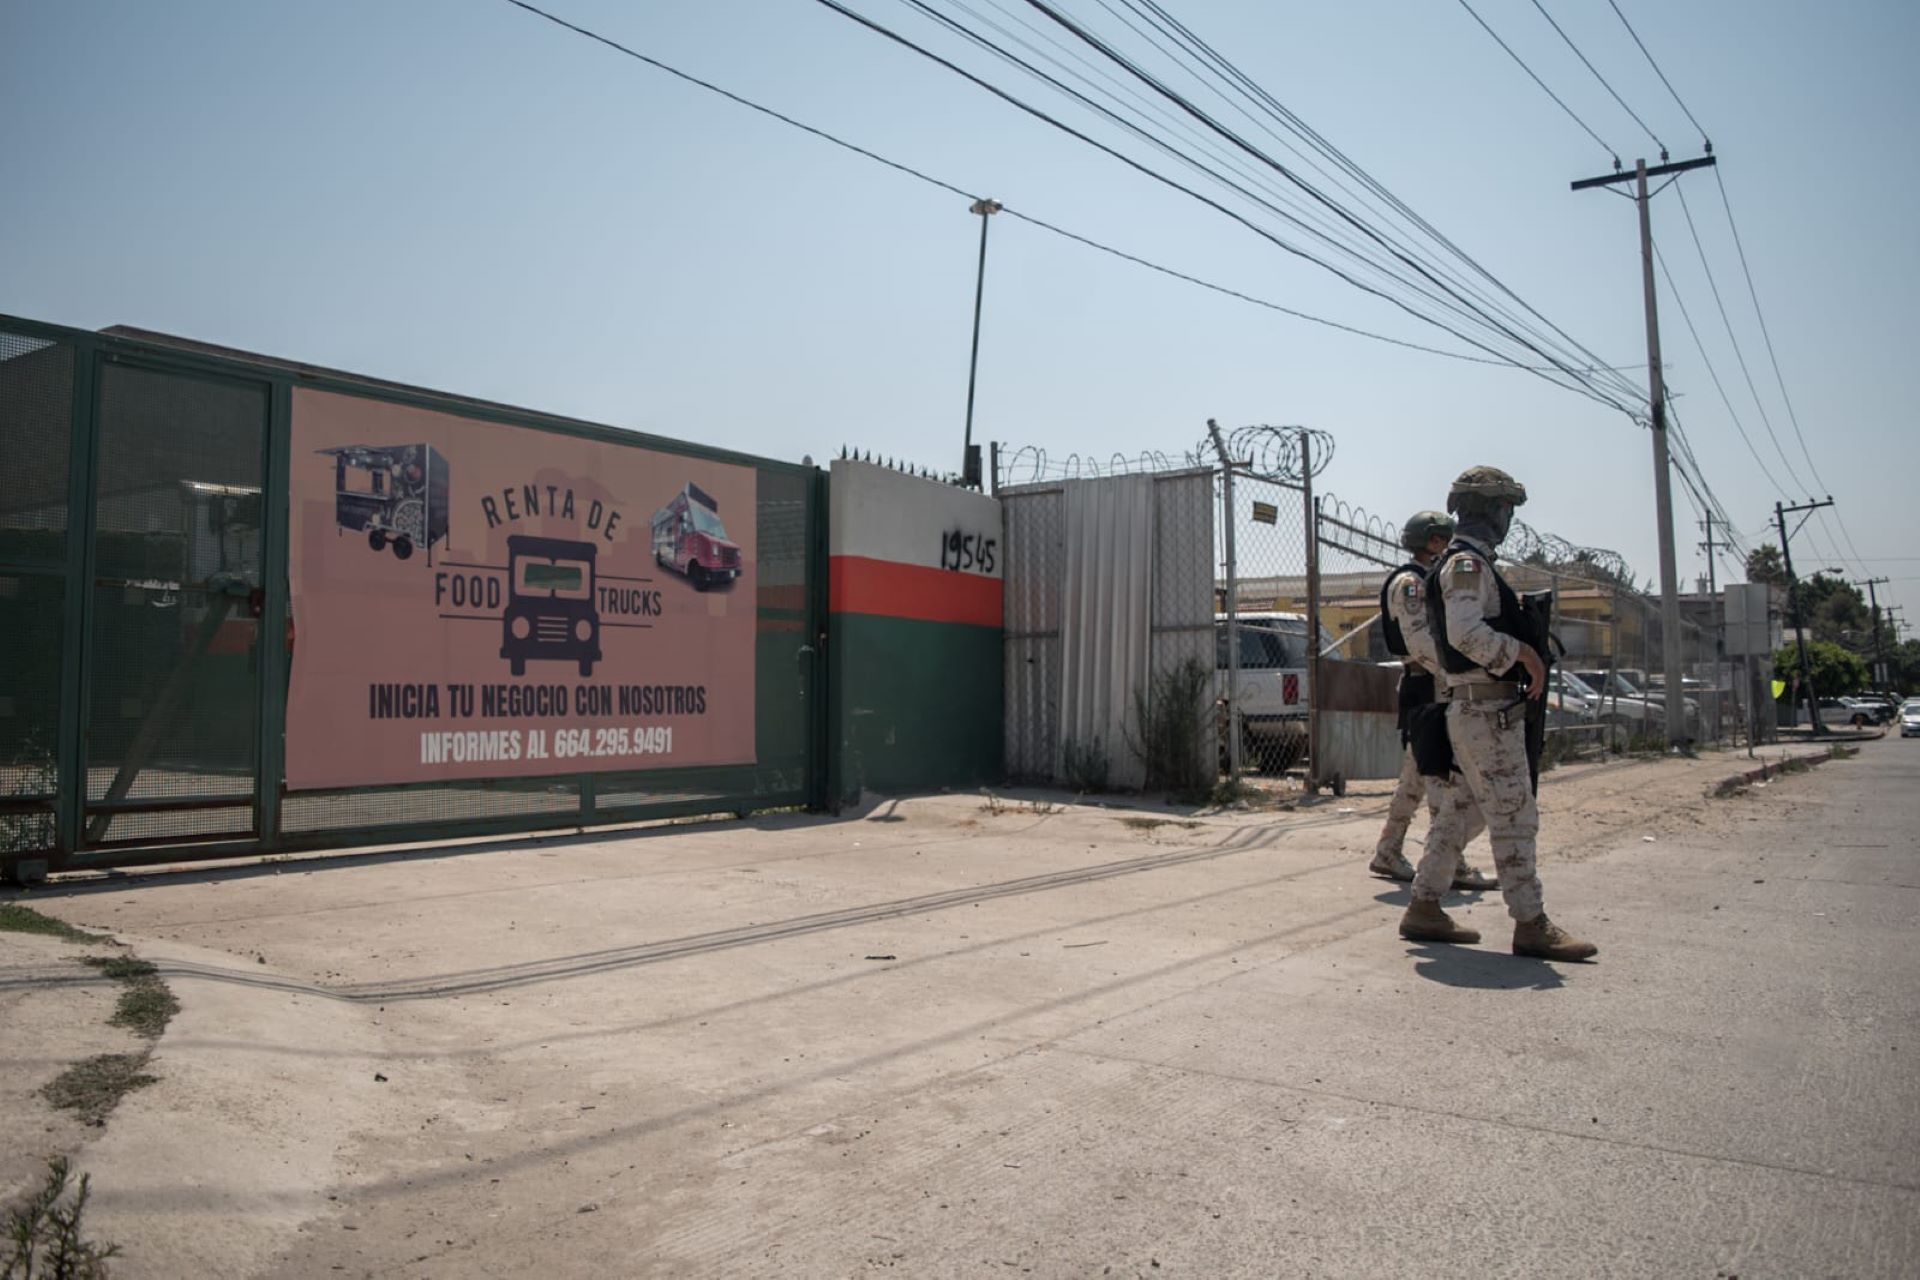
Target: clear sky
458, 194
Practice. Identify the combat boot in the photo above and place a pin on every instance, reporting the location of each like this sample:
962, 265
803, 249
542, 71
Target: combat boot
1426, 922
1543, 938
1392, 866
1473, 878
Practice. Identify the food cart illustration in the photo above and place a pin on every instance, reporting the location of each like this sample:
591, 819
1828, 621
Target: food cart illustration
396, 494
550, 614
689, 539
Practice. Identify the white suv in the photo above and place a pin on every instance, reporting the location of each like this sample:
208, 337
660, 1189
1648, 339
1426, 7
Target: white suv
1273, 691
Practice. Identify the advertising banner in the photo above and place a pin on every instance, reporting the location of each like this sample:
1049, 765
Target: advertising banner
473, 599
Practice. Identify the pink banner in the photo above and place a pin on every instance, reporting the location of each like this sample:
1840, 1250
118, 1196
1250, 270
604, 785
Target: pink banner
478, 600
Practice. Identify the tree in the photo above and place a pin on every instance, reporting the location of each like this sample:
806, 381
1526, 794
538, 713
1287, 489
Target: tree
1834, 670
1764, 564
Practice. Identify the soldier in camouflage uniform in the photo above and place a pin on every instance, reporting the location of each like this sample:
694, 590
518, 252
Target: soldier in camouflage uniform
1489, 671
1409, 635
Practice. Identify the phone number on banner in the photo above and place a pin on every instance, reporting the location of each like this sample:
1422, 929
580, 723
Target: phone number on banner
571, 744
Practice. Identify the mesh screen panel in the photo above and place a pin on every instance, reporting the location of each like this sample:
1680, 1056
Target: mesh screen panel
36, 409
174, 689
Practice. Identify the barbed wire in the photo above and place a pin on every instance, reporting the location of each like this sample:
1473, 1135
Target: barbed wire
1269, 452
1360, 522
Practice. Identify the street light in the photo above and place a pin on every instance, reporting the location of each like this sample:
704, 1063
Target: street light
970, 453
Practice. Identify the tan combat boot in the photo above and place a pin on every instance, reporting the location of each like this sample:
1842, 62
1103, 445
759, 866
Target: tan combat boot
1426, 922
1467, 877
1391, 866
1543, 938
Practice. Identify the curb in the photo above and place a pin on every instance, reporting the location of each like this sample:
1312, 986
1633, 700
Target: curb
1765, 771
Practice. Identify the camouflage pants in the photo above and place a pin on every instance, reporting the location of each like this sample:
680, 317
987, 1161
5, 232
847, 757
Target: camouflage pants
1493, 776
1439, 795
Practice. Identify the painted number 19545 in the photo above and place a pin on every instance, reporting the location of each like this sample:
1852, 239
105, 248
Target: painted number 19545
967, 552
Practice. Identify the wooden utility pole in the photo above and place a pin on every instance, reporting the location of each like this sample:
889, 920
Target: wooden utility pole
1657, 403
1879, 654
1793, 605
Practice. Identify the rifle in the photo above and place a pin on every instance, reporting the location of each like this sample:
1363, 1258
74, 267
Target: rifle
1537, 608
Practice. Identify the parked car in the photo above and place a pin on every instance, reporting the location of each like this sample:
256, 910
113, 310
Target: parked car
1883, 705
1910, 719
1618, 702
1273, 691
1848, 711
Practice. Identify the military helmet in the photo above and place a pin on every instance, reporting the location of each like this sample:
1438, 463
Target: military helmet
1486, 482
1421, 526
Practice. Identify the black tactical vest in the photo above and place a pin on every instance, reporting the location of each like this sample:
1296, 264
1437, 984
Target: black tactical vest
1511, 621
1389, 629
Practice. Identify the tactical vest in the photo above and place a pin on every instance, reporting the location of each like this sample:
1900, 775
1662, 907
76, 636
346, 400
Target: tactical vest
1389, 629
1511, 620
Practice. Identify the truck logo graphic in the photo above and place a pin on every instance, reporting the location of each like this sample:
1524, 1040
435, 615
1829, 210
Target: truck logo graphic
689, 539
395, 494
550, 613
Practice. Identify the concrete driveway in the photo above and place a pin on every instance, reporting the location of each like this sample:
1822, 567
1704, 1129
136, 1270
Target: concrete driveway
945, 1038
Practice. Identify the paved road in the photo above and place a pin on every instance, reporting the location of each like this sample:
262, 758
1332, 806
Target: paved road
944, 1042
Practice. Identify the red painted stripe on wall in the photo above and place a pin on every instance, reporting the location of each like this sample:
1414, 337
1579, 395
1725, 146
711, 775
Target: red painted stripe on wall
859, 584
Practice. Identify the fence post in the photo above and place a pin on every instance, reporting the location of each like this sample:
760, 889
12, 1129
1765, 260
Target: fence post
1312, 508
1234, 748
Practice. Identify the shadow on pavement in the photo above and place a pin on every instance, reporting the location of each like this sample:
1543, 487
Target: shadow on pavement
1482, 969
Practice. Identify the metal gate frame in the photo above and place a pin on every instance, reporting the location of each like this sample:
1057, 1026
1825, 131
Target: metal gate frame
790, 783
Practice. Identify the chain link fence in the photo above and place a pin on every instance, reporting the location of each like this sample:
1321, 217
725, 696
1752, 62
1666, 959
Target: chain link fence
1298, 576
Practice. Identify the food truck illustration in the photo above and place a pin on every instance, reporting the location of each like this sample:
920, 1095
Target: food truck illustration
689, 539
396, 494
550, 614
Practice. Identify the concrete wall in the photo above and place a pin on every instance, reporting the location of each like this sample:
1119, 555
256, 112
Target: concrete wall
914, 644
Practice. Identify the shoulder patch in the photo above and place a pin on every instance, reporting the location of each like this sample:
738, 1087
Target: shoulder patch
1464, 565
1413, 590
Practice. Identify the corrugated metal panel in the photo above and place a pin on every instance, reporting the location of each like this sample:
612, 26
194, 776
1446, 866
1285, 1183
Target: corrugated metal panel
1106, 618
1107, 580
1359, 744
1034, 559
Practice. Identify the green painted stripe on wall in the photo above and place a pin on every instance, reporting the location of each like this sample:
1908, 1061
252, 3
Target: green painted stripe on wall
918, 704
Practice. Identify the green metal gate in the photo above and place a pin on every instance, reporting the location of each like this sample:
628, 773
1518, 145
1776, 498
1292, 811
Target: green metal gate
144, 655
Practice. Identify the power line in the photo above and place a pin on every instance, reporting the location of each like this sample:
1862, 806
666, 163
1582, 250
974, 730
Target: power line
949, 187
1602, 79
1171, 28
1739, 355
1574, 381
1714, 373
1369, 232
1611, 151
1704, 142
1766, 334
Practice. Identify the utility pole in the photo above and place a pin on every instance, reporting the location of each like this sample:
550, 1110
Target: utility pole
1879, 654
969, 455
1719, 628
1657, 399
1793, 604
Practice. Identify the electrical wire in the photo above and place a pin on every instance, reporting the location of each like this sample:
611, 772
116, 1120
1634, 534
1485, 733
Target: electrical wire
1571, 375
1774, 358
1611, 151
1705, 143
1170, 28
964, 194
1685, 314
1602, 79
1312, 192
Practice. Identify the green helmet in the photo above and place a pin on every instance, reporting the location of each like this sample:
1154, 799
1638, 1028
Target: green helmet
1421, 526
1486, 482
